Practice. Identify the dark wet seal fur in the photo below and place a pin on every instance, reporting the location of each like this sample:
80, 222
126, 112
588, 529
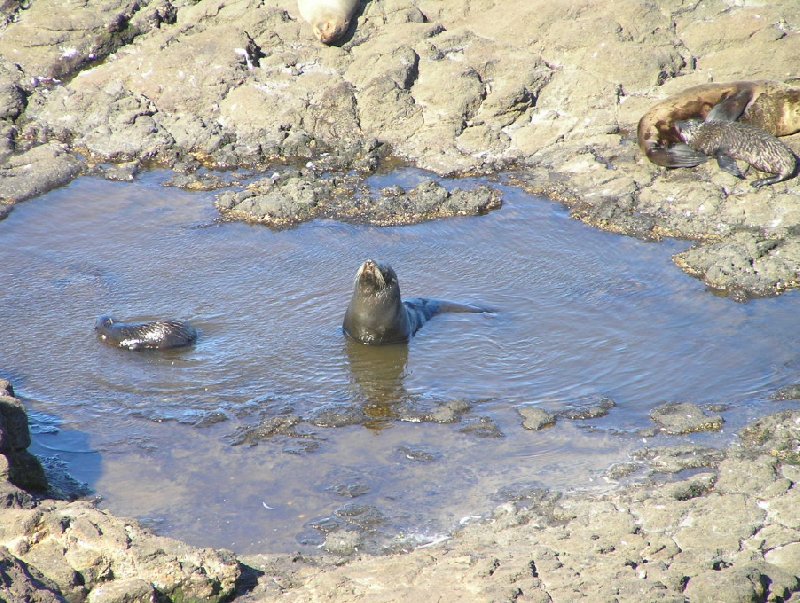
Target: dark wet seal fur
769, 105
152, 335
377, 315
729, 141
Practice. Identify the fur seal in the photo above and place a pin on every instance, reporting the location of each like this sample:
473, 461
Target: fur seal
153, 335
329, 19
729, 141
376, 314
771, 106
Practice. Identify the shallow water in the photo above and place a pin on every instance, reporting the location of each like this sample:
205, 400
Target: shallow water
579, 314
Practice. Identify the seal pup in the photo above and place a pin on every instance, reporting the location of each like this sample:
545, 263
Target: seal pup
329, 19
729, 141
152, 335
771, 106
377, 315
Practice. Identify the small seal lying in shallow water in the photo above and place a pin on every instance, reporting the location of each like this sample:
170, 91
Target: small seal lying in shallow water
376, 313
153, 335
771, 106
328, 18
729, 141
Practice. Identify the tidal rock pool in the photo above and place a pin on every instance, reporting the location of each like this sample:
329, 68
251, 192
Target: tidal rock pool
273, 433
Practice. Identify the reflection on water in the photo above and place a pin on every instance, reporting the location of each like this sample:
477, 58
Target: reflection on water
580, 314
377, 373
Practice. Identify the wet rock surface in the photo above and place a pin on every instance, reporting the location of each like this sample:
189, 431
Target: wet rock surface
676, 418
53, 550
726, 532
283, 202
534, 418
722, 519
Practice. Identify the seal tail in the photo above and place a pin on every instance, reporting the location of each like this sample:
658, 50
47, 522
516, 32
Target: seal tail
677, 156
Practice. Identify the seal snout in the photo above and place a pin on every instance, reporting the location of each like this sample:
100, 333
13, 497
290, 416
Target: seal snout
370, 269
328, 32
375, 278
103, 322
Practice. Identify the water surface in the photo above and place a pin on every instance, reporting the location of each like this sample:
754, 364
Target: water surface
580, 314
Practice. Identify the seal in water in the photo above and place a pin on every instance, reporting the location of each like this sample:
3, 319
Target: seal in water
328, 18
376, 315
729, 141
153, 335
771, 106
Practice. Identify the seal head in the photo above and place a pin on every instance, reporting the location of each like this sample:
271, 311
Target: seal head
376, 313
153, 335
329, 19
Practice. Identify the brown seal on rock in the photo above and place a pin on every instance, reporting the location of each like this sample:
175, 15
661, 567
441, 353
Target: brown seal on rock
152, 335
729, 141
329, 19
377, 315
771, 106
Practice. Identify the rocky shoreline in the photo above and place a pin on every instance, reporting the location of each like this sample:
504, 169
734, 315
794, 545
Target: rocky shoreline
549, 93
722, 528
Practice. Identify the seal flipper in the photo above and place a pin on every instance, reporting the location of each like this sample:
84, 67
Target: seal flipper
767, 181
728, 163
731, 108
420, 310
679, 155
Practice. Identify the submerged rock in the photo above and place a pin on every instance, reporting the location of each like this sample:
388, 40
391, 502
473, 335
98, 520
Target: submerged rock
482, 427
419, 454
587, 408
536, 419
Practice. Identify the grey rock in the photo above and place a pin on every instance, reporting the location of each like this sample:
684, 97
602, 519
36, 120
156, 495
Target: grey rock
588, 408
419, 454
777, 435
350, 490
132, 590
340, 415
285, 201
432, 411
535, 418
669, 459
36, 171
14, 432
482, 427
684, 417
251, 435
790, 392
21, 582
745, 264
342, 542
